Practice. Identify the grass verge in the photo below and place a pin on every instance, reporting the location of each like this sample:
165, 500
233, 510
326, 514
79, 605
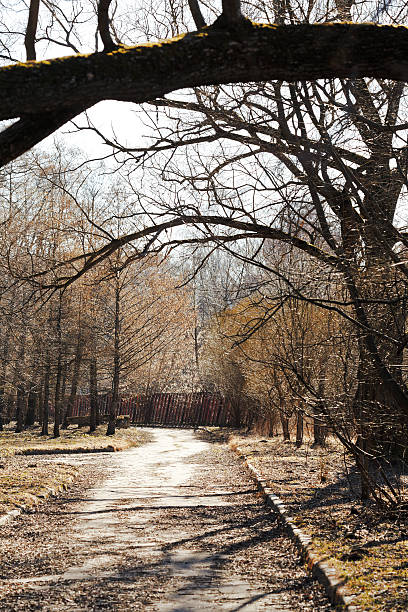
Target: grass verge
25, 485
320, 489
73, 439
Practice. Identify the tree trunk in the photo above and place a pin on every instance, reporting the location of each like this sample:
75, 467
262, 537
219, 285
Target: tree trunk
11, 404
236, 411
20, 403
40, 401
284, 419
57, 400
75, 380
31, 407
2, 406
380, 406
116, 367
299, 429
319, 425
319, 432
381, 420
20, 408
64, 378
285, 426
46, 394
93, 387
3, 377
319, 416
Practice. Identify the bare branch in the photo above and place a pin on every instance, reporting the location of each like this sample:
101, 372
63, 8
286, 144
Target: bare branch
196, 14
103, 25
247, 229
31, 30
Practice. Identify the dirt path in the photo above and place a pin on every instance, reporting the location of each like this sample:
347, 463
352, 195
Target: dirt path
174, 525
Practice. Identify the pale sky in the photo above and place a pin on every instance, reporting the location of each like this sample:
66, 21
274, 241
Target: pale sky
110, 117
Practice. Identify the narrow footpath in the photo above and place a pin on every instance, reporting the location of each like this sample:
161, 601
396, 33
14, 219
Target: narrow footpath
175, 525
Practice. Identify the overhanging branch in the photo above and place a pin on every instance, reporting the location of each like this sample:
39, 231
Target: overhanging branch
29, 131
214, 55
87, 261
253, 52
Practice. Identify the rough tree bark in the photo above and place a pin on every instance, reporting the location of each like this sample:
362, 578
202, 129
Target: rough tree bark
47, 94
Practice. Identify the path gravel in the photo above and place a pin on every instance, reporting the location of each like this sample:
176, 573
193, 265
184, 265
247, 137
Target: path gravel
175, 525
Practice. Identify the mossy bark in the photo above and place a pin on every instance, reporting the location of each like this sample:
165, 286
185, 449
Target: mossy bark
59, 89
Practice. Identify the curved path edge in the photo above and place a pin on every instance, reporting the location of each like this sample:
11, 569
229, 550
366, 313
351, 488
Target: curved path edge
319, 568
7, 517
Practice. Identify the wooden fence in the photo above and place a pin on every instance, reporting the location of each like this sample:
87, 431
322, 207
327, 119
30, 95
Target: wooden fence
165, 409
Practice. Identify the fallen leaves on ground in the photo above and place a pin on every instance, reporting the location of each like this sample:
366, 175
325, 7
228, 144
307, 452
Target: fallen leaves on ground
320, 488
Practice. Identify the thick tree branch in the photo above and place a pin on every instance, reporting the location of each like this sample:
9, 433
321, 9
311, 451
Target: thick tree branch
215, 55
255, 52
30, 130
231, 11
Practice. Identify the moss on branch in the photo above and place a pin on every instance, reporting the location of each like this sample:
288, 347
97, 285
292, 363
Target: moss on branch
213, 55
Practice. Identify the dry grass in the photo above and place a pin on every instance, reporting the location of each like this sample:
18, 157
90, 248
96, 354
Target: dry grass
379, 578
320, 488
25, 484
73, 439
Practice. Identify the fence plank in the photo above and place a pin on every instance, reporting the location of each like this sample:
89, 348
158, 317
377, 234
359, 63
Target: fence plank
171, 409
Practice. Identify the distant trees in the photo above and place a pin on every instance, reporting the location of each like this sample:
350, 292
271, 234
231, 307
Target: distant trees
289, 362
288, 356
121, 328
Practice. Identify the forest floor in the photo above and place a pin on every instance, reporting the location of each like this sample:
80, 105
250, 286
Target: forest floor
174, 525
320, 487
25, 481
